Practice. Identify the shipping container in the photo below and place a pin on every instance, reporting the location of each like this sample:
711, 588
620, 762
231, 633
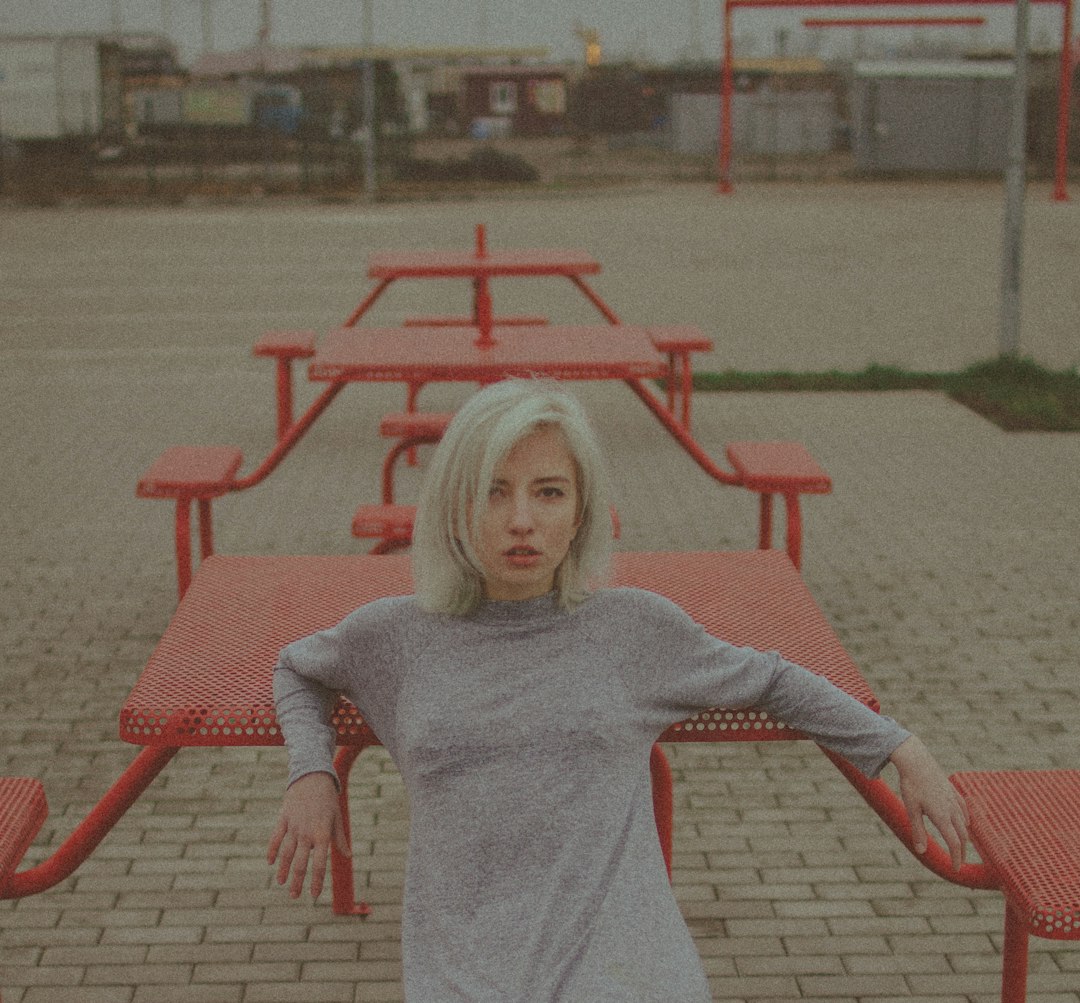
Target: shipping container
50, 87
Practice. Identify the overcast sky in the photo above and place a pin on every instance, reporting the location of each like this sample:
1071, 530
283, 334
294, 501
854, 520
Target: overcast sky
643, 28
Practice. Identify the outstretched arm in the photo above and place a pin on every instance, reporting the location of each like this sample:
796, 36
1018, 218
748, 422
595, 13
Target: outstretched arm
310, 822
928, 795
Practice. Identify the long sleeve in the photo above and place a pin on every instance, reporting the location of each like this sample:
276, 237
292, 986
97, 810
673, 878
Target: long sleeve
303, 708
359, 658
681, 669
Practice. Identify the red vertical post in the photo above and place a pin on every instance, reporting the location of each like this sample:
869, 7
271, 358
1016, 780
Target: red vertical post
663, 802
727, 87
206, 529
1061, 166
342, 879
482, 309
1014, 958
183, 544
284, 396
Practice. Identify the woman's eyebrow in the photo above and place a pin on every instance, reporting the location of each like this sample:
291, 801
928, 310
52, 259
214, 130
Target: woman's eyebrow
552, 478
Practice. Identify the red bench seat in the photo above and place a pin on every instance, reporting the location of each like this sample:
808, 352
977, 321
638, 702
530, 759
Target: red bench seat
23, 810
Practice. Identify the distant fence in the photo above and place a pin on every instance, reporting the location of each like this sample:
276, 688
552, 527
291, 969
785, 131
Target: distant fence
272, 164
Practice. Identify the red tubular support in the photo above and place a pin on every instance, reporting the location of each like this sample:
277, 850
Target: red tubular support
341, 866
609, 314
84, 839
682, 435
687, 386
366, 305
407, 444
411, 395
295, 434
206, 528
887, 804
481, 240
182, 533
484, 314
663, 802
284, 396
765, 504
794, 528
1014, 957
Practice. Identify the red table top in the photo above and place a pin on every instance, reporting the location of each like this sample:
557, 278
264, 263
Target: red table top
208, 682
566, 352
431, 264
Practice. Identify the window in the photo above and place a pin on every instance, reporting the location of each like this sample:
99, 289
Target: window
503, 98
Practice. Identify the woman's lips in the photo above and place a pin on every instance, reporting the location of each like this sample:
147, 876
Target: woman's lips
522, 557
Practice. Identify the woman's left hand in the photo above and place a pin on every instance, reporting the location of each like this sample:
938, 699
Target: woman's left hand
928, 795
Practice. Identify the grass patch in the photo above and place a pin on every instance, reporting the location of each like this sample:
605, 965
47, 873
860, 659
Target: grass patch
1015, 394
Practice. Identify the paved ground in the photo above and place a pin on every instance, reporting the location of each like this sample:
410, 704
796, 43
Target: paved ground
945, 559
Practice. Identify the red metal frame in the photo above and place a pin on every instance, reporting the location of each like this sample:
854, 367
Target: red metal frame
893, 22
93, 829
727, 84
480, 266
240, 610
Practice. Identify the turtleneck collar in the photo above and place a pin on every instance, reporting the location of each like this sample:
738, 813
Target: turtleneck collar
514, 611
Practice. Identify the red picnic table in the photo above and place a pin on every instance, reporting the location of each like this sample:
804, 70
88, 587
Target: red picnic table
479, 266
208, 684
417, 355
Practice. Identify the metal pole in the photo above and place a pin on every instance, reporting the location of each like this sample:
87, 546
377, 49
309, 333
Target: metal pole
1015, 180
370, 180
1061, 163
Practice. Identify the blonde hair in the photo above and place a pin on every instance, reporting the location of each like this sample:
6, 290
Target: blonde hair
446, 569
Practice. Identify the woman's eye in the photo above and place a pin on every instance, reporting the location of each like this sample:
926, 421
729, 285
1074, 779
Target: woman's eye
552, 492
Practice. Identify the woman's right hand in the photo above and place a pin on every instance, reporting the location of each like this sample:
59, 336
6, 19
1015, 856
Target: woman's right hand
310, 822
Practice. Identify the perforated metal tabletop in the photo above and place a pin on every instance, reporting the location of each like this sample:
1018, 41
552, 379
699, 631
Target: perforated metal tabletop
425, 354
429, 264
208, 682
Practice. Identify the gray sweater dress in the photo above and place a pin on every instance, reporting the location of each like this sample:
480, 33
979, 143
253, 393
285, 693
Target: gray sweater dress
523, 734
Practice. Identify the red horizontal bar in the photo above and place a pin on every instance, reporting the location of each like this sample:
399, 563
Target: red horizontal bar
879, 3
893, 22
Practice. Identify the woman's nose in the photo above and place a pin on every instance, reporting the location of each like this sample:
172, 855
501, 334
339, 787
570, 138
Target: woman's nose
521, 513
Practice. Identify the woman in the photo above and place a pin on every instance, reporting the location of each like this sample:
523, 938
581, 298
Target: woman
520, 707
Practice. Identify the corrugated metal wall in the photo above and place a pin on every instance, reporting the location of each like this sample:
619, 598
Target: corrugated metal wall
933, 122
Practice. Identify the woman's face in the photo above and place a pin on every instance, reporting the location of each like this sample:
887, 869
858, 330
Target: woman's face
531, 518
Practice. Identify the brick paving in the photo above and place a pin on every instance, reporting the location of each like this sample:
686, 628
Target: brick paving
945, 559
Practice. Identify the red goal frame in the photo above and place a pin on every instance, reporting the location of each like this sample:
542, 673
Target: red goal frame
727, 78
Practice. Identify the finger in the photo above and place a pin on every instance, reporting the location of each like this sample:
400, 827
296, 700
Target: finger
919, 836
956, 843
275, 841
288, 849
318, 871
299, 871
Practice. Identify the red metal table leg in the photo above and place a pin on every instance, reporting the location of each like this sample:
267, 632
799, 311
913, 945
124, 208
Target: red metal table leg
342, 876
284, 397
794, 528
92, 830
367, 303
411, 395
687, 387
609, 315
765, 505
663, 802
206, 528
182, 533
484, 313
1014, 958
